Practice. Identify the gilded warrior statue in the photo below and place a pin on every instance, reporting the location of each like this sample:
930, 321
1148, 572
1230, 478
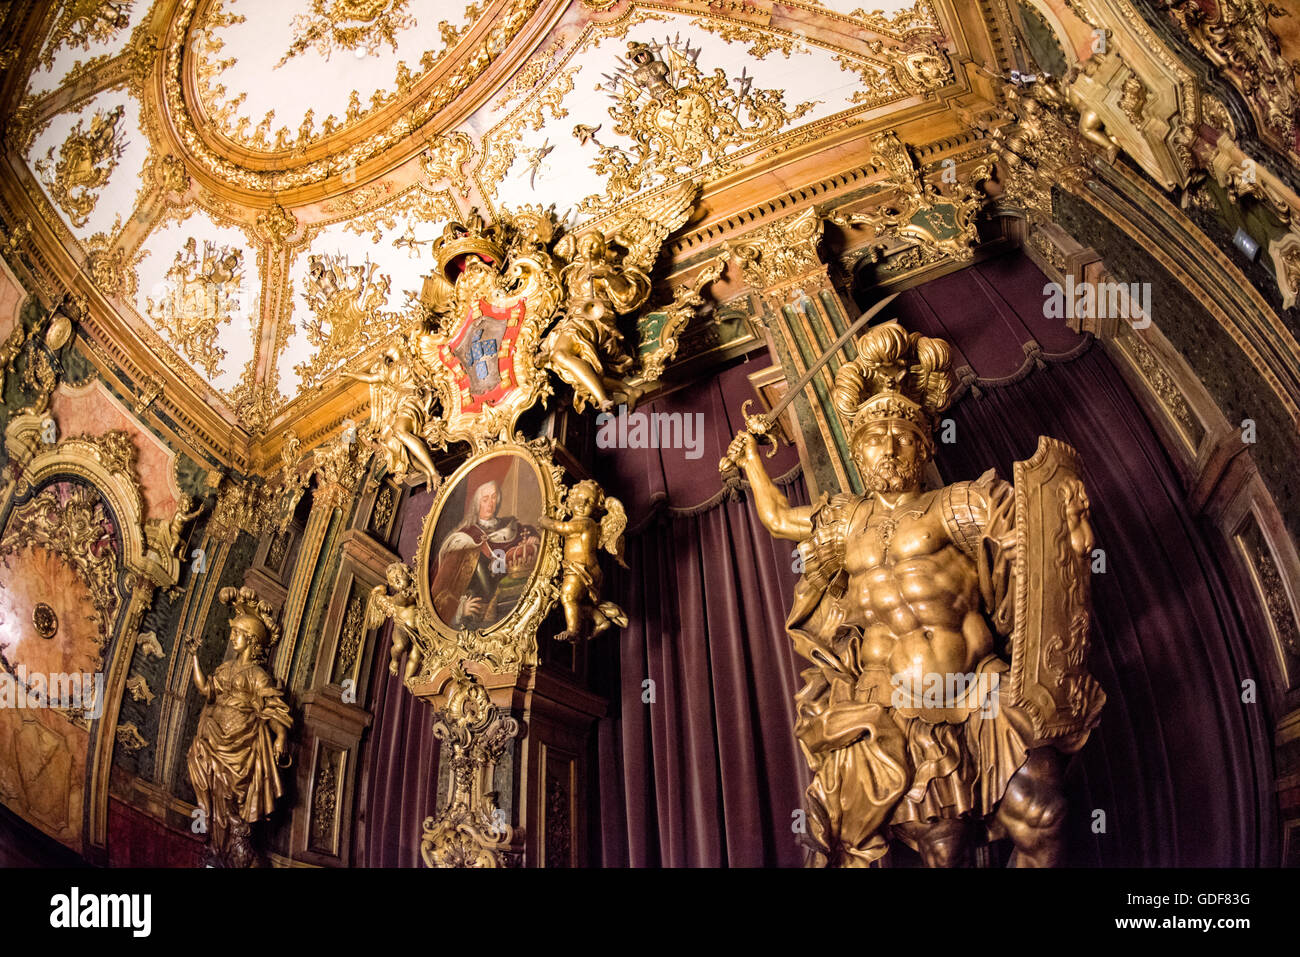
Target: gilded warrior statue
242, 738
931, 710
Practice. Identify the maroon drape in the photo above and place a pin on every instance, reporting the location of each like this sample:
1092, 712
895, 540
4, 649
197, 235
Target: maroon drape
399, 781
708, 773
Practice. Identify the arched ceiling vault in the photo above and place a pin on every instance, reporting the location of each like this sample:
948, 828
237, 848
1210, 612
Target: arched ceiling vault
246, 192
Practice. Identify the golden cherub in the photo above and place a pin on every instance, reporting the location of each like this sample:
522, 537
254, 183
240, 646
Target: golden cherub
401, 607
399, 409
583, 539
586, 345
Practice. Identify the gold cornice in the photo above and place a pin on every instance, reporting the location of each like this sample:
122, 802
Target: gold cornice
1242, 294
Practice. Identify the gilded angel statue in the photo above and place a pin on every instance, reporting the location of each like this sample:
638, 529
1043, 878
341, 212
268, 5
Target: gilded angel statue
583, 539
585, 347
165, 535
401, 607
399, 408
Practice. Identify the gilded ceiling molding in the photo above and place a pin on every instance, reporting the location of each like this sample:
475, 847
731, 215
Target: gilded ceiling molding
328, 29
1236, 37
431, 97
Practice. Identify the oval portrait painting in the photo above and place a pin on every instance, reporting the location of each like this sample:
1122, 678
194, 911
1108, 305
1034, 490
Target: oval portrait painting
486, 542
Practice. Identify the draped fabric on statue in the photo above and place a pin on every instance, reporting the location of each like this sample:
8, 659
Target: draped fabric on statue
1181, 768
705, 771
399, 782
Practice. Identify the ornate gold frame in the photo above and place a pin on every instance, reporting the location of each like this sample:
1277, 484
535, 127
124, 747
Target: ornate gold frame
510, 644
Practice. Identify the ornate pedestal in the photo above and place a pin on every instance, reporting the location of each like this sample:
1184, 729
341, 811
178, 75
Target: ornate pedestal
514, 766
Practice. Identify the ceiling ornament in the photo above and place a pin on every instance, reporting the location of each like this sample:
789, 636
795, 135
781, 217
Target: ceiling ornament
445, 160
677, 118
761, 42
112, 272
347, 311
203, 293
297, 170
414, 205
350, 25
171, 175
359, 26
86, 160
83, 22
276, 225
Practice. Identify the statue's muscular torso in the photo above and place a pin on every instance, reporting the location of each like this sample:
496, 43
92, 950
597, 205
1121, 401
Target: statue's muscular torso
913, 584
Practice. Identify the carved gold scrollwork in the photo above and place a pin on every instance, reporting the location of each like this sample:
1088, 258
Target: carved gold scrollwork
86, 160
106, 461
943, 219
471, 831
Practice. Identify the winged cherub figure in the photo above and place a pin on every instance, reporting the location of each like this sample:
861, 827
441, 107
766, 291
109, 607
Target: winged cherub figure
601, 283
583, 539
586, 344
400, 606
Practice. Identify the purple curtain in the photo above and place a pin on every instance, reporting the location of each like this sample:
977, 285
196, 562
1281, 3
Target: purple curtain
399, 779
700, 768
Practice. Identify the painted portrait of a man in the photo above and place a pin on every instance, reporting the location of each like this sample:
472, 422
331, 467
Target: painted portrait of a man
483, 564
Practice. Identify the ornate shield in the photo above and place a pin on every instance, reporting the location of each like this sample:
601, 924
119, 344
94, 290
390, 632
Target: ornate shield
483, 350
1050, 639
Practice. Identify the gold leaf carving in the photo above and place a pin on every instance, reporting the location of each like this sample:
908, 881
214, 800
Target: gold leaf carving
677, 118
86, 160
83, 22
203, 294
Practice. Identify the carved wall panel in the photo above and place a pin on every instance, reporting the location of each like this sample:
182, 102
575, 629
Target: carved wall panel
59, 600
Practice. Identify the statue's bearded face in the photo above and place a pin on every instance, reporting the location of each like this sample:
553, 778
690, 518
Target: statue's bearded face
891, 455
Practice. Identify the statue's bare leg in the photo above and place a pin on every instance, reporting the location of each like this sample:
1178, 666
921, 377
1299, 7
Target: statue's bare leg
575, 370
1033, 810
940, 843
571, 593
629, 394
419, 451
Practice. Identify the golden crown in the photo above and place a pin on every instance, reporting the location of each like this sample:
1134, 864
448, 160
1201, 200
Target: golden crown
903, 375
464, 239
